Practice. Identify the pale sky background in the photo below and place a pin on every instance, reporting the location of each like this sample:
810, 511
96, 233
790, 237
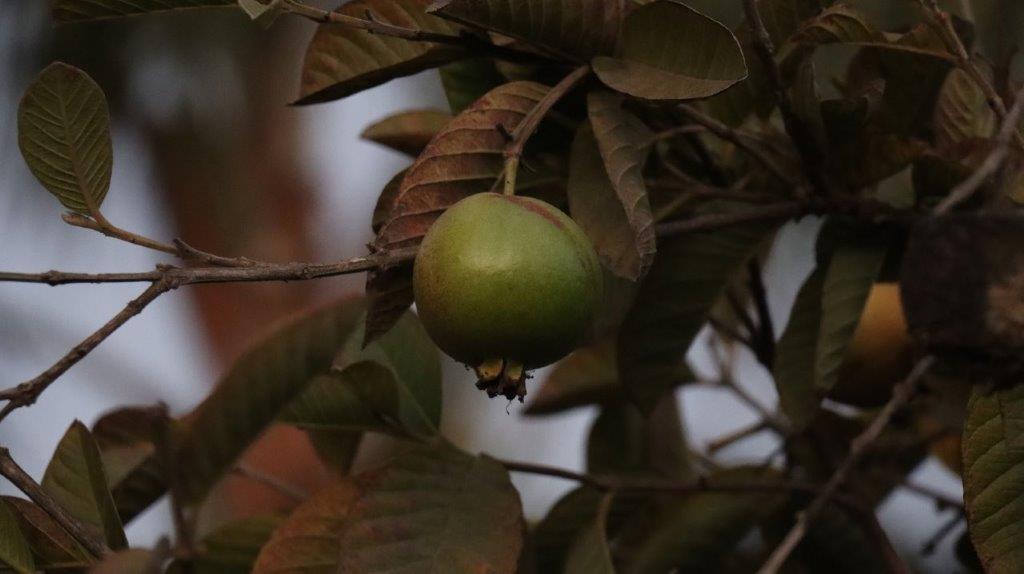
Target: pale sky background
157, 357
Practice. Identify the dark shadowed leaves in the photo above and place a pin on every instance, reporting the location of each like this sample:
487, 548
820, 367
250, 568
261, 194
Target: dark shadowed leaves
76, 10
466, 81
549, 542
696, 533
342, 60
689, 274
466, 157
672, 52
573, 29
15, 551
624, 442
64, 136
590, 553
76, 480
260, 384
993, 486
408, 132
132, 561
126, 438
433, 509
392, 385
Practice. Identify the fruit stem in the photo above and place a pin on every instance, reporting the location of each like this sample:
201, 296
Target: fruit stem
511, 171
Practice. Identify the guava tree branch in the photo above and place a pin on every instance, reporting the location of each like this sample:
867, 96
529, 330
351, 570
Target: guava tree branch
26, 393
10, 470
739, 140
995, 160
162, 280
901, 395
529, 124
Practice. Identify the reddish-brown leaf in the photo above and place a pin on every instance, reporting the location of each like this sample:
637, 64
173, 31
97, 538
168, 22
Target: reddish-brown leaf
408, 132
342, 60
464, 158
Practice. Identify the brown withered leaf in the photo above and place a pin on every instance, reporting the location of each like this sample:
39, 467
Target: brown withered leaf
342, 60
464, 158
408, 132
386, 201
622, 139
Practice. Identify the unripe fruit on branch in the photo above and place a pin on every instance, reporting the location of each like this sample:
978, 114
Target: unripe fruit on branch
881, 353
505, 284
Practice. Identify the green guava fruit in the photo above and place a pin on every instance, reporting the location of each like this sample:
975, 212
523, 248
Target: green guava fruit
506, 284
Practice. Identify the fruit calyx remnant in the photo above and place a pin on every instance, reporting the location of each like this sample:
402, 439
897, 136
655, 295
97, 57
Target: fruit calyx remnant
501, 377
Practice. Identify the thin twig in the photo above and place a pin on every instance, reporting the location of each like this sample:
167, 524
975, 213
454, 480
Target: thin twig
810, 151
764, 336
942, 500
291, 491
902, 394
995, 160
943, 531
100, 224
10, 470
528, 125
778, 211
194, 275
736, 436
26, 393
739, 140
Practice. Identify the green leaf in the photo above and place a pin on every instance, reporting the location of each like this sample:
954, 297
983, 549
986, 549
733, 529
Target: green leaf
993, 486
307, 541
588, 376
233, 548
466, 157
342, 60
78, 10
76, 480
563, 28
337, 449
962, 112
393, 385
51, 545
466, 81
407, 132
853, 270
1011, 409
672, 52
549, 542
133, 561
126, 439
590, 553
796, 352
434, 509
688, 276
623, 442
64, 136
255, 390
622, 140
695, 533
15, 551
824, 319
